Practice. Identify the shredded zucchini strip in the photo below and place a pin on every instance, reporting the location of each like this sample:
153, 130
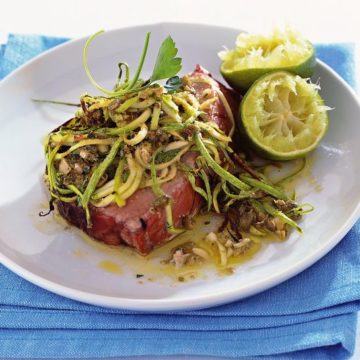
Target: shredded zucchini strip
96, 176
126, 189
135, 185
206, 181
265, 207
155, 116
215, 197
118, 181
216, 167
163, 179
138, 138
170, 108
133, 173
129, 127
127, 104
265, 187
212, 147
207, 103
190, 176
241, 196
213, 131
176, 145
143, 104
159, 192
101, 104
83, 143
277, 213
51, 173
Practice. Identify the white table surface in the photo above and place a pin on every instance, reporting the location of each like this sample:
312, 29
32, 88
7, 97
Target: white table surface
320, 21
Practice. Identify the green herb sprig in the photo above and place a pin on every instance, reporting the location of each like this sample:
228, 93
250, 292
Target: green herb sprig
167, 66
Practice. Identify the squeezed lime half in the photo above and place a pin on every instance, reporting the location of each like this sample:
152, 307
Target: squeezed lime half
257, 55
283, 116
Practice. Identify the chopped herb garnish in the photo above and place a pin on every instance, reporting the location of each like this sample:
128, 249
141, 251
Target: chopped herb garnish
165, 156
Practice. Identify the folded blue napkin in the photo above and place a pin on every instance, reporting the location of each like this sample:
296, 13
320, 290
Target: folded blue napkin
313, 315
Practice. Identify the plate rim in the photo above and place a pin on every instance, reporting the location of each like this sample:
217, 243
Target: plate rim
185, 303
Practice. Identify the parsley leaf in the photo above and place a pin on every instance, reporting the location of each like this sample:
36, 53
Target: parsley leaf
167, 65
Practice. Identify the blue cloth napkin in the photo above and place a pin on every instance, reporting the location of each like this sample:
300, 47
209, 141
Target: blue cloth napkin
313, 315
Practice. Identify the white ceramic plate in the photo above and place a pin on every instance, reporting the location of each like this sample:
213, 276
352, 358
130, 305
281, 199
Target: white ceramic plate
59, 260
